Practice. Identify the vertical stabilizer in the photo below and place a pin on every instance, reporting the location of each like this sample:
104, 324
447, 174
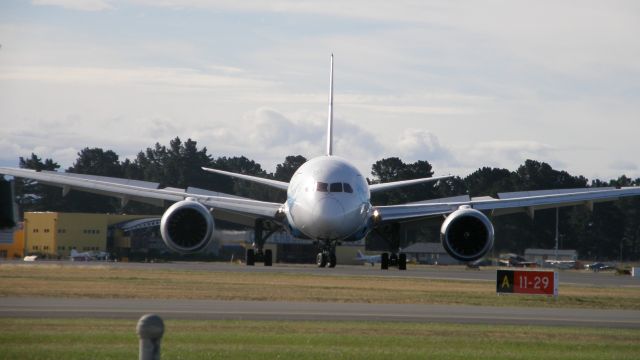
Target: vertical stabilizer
330, 120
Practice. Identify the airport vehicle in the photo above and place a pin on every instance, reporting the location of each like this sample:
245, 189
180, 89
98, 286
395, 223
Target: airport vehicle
368, 259
328, 200
88, 255
560, 264
598, 266
515, 260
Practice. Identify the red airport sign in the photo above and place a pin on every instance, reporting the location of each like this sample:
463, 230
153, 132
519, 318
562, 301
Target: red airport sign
527, 282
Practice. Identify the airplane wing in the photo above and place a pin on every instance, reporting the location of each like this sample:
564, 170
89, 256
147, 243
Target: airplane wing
506, 203
226, 207
396, 184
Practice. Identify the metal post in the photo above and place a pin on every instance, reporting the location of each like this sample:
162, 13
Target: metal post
557, 216
150, 330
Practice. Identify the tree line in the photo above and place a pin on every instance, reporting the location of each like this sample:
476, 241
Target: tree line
611, 231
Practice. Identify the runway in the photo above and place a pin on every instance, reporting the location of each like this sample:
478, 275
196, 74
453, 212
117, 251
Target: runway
566, 277
265, 310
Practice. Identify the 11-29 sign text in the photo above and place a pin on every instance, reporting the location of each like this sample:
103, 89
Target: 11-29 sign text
527, 282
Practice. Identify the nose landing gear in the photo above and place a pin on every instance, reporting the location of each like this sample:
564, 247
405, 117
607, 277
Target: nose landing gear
327, 256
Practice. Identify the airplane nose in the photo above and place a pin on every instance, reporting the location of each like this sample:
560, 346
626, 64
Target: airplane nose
328, 216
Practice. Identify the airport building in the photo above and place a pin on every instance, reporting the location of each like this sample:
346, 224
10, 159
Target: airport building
541, 255
12, 243
55, 234
429, 253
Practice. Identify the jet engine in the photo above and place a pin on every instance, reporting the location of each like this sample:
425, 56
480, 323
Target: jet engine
187, 227
467, 234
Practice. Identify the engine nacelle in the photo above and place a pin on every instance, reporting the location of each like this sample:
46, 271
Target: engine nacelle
467, 234
187, 227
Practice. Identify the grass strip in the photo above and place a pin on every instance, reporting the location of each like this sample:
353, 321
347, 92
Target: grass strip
109, 282
116, 339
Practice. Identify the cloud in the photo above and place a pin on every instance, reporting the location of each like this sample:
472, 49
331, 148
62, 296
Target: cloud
265, 134
509, 153
81, 5
184, 78
419, 144
624, 166
250, 78
269, 135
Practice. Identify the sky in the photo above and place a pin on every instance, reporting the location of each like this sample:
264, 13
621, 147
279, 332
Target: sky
461, 84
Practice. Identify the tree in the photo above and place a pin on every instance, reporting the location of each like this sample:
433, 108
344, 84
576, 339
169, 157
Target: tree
32, 196
394, 169
535, 175
489, 181
291, 163
245, 188
96, 161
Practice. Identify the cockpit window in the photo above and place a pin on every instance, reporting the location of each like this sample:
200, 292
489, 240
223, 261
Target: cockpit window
336, 187
323, 187
347, 188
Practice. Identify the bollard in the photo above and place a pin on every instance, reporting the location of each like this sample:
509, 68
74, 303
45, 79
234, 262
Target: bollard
150, 329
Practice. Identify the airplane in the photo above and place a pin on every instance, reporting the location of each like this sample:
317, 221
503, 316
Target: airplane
560, 264
329, 201
368, 259
87, 255
515, 260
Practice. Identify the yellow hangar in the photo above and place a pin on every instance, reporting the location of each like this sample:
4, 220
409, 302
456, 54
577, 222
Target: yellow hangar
55, 234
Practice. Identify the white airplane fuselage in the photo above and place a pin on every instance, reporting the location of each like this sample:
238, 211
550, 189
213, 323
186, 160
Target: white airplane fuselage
328, 199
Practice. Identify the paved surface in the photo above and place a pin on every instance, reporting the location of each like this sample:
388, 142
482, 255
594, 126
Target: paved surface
583, 277
267, 310
203, 309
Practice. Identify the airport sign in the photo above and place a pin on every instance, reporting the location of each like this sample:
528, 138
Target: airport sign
538, 282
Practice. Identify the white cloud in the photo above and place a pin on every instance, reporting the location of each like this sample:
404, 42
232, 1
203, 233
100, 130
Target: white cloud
82, 5
508, 153
440, 81
148, 76
419, 144
624, 166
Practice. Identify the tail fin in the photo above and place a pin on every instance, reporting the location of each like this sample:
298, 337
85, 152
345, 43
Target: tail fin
360, 255
74, 252
330, 120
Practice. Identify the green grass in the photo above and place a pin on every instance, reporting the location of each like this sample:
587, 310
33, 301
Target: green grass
106, 282
116, 339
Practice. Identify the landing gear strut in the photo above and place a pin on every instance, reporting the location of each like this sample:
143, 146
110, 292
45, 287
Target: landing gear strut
259, 253
327, 256
393, 259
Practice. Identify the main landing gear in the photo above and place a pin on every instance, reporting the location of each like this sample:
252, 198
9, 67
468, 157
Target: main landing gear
393, 260
259, 254
265, 256
327, 256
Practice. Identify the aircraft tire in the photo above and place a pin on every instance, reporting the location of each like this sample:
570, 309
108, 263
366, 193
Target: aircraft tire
332, 260
321, 259
268, 257
384, 261
393, 259
251, 257
402, 262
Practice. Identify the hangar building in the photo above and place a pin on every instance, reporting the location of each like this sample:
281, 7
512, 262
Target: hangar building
12, 243
55, 234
